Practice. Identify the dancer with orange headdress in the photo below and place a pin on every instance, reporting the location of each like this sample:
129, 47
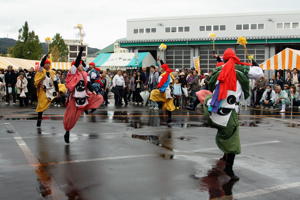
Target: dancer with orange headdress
164, 93
47, 87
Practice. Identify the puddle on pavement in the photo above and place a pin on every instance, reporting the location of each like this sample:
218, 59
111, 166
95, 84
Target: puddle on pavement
216, 183
164, 141
293, 125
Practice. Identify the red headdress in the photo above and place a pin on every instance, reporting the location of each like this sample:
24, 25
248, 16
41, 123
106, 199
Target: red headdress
165, 77
227, 76
74, 63
92, 63
47, 61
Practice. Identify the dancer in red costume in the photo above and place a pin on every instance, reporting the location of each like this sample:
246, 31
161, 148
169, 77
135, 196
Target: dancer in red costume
79, 99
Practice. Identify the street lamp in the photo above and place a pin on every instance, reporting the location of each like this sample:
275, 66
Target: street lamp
48, 41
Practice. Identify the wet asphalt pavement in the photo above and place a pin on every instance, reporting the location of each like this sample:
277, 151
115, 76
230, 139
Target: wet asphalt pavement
131, 153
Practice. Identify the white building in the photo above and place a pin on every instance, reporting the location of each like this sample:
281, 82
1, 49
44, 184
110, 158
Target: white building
187, 37
74, 48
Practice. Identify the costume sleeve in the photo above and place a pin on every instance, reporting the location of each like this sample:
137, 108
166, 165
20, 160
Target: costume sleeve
78, 59
255, 73
43, 60
254, 63
40, 75
73, 69
90, 86
219, 59
85, 67
161, 62
56, 86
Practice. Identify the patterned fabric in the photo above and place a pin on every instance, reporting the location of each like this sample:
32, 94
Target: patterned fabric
48, 87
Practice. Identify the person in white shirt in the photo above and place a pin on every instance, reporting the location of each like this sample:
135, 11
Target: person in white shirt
119, 84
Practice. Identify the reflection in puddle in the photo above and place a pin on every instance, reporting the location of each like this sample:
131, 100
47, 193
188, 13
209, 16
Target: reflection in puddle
164, 141
293, 125
217, 184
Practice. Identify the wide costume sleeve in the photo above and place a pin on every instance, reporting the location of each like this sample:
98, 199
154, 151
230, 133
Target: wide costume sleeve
40, 74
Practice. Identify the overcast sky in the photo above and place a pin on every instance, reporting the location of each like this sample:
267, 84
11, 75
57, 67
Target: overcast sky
104, 21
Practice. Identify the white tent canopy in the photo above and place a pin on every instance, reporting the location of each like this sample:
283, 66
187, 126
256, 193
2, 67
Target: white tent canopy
286, 59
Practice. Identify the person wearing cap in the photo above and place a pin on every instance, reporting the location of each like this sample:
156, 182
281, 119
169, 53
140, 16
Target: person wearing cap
47, 88
164, 91
94, 76
81, 95
10, 81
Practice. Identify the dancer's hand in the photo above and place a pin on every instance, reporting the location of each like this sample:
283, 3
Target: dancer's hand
94, 93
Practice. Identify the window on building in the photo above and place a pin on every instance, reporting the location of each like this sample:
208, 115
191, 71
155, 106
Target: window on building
174, 29
261, 26
153, 30
73, 55
147, 30
208, 28
216, 27
135, 31
168, 29
180, 29
245, 26
287, 25
83, 54
238, 27
73, 48
178, 57
186, 29
257, 50
279, 25
253, 26
141, 30
201, 28
84, 48
207, 62
295, 25
222, 27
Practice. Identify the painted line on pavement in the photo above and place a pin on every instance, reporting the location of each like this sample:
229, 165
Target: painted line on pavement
47, 181
100, 159
260, 191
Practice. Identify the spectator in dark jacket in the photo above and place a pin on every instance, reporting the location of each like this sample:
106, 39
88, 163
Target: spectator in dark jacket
139, 84
261, 86
10, 81
288, 81
279, 80
30, 86
144, 74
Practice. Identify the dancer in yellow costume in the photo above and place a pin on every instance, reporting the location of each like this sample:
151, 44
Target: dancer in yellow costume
164, 93
47, 87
